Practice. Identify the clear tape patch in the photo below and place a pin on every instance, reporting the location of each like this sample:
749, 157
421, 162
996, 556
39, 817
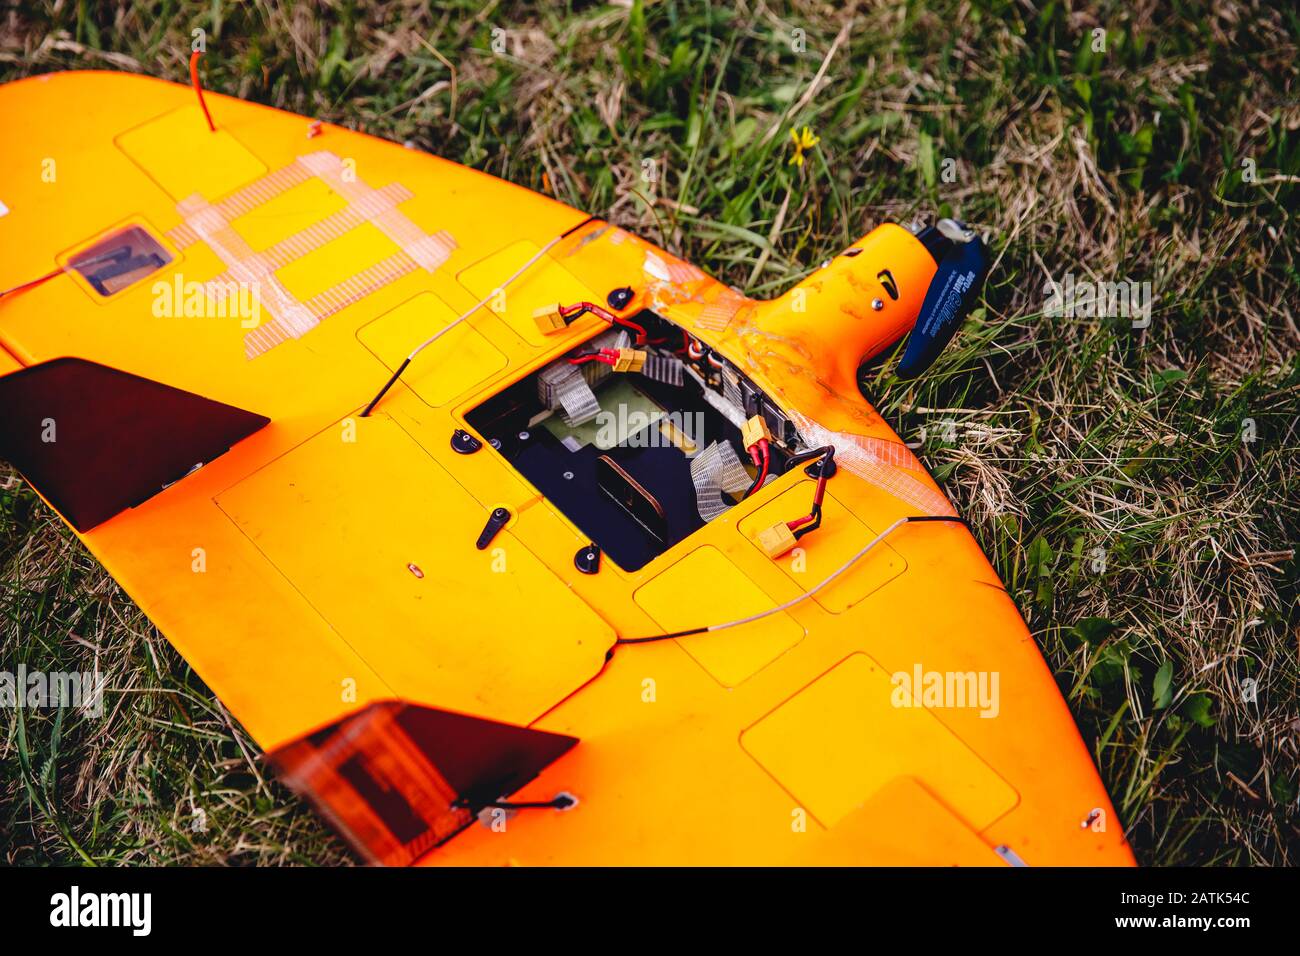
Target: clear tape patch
731, 389
717, 315
578, 404
878, 462
292, 318
563, 388
715, 470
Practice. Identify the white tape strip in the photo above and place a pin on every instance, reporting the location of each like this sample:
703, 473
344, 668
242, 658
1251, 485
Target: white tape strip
291, 318
877, 462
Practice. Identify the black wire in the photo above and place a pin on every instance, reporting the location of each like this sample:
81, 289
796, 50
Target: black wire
952, 519
660, 637
795, 460
761, 474
383, 391
558, 803
828, 452
566, 235
812, 525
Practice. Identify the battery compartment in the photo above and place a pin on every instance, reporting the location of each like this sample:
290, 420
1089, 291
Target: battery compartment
623, 475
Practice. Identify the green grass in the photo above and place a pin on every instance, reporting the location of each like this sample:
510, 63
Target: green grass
1103, 467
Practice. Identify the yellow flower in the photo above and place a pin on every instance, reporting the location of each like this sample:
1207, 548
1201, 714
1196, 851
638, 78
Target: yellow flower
803, 139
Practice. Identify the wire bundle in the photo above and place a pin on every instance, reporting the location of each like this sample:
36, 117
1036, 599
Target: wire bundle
760, 453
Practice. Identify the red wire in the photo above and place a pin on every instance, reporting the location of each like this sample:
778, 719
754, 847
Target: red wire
820, 494
198, 87
818, 497
608, 356
608, 316
639, 330
591, 307
760, 450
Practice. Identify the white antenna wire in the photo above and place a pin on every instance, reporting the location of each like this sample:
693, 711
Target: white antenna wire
467, 313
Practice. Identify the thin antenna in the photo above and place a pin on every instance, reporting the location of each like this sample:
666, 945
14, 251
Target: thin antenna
803, 596
467, 313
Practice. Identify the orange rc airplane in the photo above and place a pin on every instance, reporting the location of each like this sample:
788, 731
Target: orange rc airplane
512, 538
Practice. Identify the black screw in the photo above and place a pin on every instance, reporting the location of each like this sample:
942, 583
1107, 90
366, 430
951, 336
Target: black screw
587, 560
464, 443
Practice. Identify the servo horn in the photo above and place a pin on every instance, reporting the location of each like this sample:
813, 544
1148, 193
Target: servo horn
495, 522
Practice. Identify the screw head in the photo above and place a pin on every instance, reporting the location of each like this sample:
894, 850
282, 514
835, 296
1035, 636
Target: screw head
619, 298
587, 560
462, 442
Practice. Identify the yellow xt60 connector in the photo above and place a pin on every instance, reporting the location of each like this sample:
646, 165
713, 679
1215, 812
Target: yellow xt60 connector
776, 540
754, 431
629, 360
549, 319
